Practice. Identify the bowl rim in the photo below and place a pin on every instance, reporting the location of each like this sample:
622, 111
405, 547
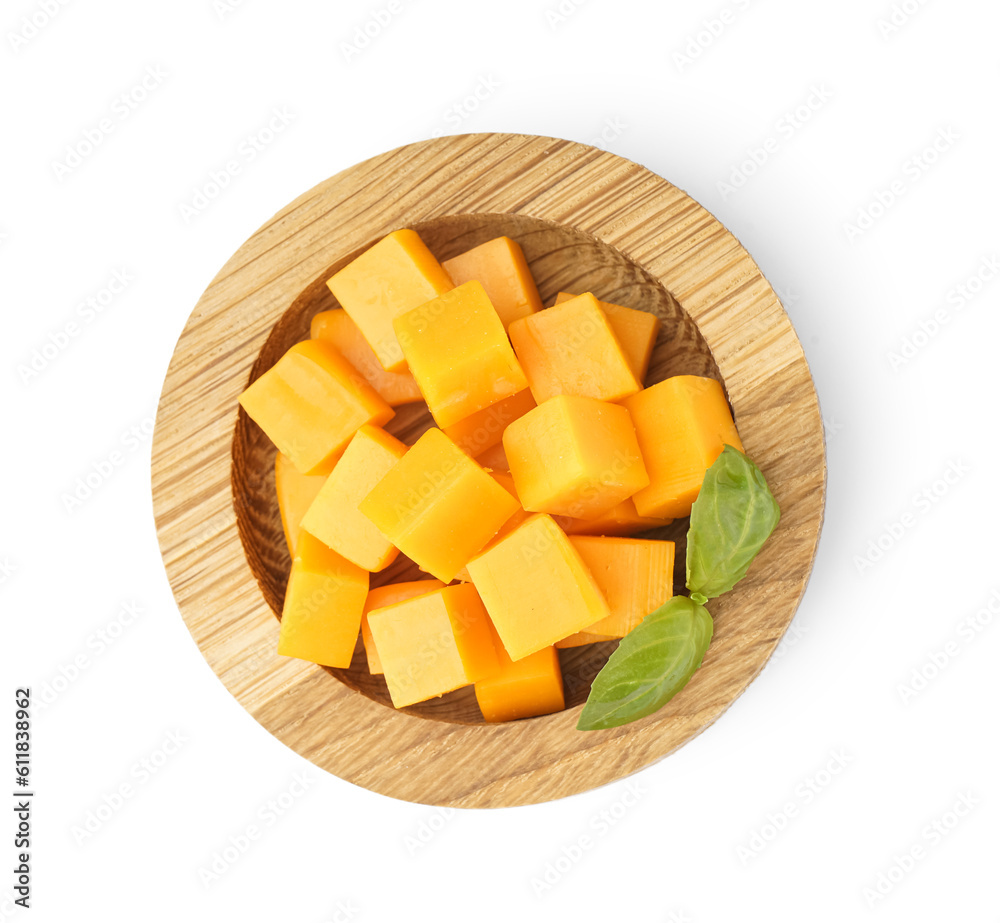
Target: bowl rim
647, 220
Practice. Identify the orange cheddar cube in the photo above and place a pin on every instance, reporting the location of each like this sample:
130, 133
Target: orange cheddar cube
333, 516
622, 519
438, 506
682, 424
494, 458
504, 479
459, 354
484, 429
310, 403
636, 332
525, 688
337, 328
571, 349
295, 493
579, 638
635, 576
324, 599
432, 644
574, 456
500, 266
396, 274
536, 587
387, 595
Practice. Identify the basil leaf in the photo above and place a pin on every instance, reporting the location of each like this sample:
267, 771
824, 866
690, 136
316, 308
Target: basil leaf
652, 664
734, 514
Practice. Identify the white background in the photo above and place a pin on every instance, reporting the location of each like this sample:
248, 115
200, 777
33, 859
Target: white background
912, 449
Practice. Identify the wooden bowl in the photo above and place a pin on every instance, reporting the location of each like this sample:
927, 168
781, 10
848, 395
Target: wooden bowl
587, 221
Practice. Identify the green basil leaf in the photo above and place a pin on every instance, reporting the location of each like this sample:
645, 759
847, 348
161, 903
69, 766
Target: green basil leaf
734, 514
652, 664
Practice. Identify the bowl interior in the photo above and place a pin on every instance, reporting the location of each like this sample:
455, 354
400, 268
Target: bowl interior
561, 259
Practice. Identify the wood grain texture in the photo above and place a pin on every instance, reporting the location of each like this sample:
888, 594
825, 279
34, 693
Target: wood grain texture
588, 221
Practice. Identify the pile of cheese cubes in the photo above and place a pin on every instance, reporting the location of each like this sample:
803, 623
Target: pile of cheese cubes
548, 455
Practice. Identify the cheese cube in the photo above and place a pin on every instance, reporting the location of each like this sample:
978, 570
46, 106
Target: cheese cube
579, 638
504, 479
324, 599
622, 519
459, 354
524, 688
636, 331
574, 456
438, 506
500, 266
396, 274
494, 458
571, 349
432, 644
295, 493
682, 424
635, 575
337, 329
484, 429
333, 517
536, 587
387, 595
310, 403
